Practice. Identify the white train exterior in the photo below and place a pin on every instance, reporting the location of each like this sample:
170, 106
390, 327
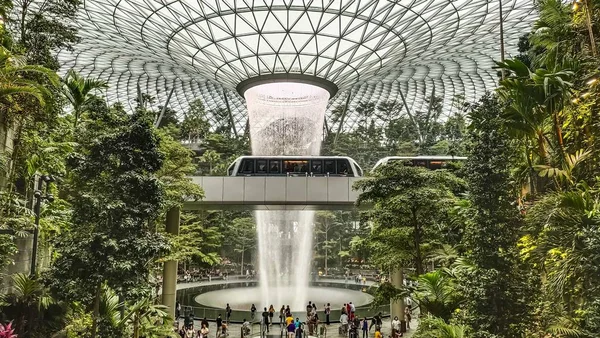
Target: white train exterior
294, 166
430, 162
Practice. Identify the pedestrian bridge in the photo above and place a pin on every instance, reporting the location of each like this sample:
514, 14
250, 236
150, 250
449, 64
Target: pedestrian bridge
274, 193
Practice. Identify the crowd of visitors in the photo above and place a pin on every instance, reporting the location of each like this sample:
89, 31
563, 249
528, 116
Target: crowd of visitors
351, 325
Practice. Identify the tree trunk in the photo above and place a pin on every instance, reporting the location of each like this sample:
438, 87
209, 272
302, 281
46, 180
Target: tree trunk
136, 326
96, 311
242, 265
326, 251
417, 244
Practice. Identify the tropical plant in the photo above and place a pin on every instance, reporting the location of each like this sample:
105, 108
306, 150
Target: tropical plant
436, 295
7, 331
27, 302
80, 92
408, 203
14, 81
433, 327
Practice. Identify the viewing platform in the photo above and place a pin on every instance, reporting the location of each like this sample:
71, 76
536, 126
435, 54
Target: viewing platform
275, 193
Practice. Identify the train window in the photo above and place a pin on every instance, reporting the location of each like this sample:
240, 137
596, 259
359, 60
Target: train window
436, 164
420, 163
330, 166
344, 168
274, 167
247, 167
261, 166
316, 167
295, 166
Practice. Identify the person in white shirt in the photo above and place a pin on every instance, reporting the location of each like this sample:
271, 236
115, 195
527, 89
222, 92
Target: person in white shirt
395, 326
344, 322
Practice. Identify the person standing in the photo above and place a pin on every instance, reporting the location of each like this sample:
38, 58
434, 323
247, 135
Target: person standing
265, 320
327, 313
252, 312
407, 317
204, 322
204, 331
271, 314
365, 328
219, 323
291, 329
228, 312
177, 310
298, 325
344, 323
395, 326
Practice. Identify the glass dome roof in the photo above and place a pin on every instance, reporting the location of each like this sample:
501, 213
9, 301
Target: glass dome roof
372, 50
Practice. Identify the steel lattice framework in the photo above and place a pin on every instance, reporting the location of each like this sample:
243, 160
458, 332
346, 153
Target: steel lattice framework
373, 50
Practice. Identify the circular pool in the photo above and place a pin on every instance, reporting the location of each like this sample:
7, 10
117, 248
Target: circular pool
241, 299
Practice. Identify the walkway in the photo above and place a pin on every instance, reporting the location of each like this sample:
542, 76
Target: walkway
181, 286
275, 193
332, 330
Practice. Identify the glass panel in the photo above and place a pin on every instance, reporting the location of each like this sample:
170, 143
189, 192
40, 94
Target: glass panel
344, 167
261, 166
230, 169
330, 167
295, 166
274, 167
316, 167
436, 164
248, 167
419, 163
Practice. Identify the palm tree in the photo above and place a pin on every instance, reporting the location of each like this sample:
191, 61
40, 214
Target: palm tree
14, 83
436, 294
79, 91
564, 236
29, 298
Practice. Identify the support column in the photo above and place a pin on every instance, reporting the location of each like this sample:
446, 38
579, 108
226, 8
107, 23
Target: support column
397, 306
169, 289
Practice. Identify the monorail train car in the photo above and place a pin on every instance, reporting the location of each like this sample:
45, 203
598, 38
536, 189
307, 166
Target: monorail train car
294, 166
430, 162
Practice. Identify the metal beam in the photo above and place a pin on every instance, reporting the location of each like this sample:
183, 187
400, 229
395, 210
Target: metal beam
231, 120
164, 109
410, 114
343, 116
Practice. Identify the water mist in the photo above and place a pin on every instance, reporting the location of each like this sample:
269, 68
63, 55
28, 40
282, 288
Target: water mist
285, 119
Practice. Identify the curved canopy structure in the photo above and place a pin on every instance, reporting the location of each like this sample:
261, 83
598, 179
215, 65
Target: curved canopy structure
372, 50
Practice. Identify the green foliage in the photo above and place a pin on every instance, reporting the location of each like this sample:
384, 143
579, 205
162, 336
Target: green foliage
42, 30
26, 304
388, 129
198, 241
495, 289
408, 203
79, 91
433, 327
115, 195
436, 295
176, 166
7, 250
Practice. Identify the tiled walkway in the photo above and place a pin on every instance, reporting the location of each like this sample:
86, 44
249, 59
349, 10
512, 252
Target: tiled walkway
332, 330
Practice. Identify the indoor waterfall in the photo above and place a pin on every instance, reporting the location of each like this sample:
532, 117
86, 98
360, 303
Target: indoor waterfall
285, 119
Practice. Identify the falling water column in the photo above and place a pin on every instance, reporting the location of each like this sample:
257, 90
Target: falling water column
285, 118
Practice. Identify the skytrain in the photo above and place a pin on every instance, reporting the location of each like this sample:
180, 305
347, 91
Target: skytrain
294, 166
430, 162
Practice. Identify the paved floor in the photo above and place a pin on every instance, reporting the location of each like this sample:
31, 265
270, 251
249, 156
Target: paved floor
332, 330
